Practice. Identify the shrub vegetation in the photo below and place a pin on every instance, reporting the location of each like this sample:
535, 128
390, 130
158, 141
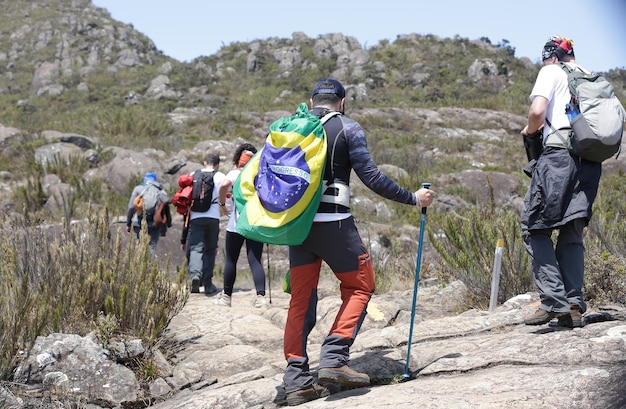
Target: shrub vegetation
75, 278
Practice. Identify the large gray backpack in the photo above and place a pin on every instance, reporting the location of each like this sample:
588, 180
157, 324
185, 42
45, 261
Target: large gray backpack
146, 202
597, 130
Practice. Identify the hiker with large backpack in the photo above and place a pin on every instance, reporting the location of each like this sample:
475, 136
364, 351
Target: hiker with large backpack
562, 190
202, 225
334, 239
149, 205
235, 241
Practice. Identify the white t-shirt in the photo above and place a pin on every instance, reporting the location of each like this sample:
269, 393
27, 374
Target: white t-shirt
552, 84
214, 210
232, 220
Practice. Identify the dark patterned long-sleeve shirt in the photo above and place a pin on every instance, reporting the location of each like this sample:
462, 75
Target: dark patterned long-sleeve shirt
347, 150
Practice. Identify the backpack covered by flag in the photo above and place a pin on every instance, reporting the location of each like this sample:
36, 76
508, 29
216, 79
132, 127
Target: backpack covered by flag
597, 130
278, 192
147, 201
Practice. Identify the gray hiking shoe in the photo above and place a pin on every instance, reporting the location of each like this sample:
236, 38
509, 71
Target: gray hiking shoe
541, 317
301, 396
344, 375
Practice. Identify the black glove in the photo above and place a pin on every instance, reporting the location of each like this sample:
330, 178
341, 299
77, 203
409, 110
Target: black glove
533, 145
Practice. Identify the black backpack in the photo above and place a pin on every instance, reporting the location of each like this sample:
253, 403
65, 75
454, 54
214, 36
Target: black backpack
202, 193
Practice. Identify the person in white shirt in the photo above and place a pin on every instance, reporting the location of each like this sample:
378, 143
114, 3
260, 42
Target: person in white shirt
562, 190
234, 241
199, 239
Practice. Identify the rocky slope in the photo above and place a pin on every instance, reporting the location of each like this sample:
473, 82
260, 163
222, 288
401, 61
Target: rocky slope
231, 358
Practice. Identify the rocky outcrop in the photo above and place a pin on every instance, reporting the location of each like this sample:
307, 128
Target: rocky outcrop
78, 364
75, 39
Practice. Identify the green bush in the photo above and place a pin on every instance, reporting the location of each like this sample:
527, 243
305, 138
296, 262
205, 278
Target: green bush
467, 243
605, 279
605, 244
608, 224
65, 278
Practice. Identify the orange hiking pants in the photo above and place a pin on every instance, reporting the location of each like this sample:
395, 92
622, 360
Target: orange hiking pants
340, 246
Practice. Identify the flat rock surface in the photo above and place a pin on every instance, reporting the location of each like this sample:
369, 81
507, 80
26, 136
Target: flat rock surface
232, 357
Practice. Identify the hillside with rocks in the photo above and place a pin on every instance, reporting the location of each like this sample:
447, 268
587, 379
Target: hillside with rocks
88, 105
80, 88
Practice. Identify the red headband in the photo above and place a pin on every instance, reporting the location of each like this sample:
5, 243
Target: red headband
244, 158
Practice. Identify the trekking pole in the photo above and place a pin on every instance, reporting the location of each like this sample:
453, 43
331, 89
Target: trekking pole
269, 275
418, 263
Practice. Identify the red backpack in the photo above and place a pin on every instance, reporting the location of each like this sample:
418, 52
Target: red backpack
182, 198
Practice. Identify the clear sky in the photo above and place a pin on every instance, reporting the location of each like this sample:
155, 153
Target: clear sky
186, 29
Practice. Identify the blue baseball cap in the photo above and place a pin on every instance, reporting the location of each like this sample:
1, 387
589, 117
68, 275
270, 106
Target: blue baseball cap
329, 86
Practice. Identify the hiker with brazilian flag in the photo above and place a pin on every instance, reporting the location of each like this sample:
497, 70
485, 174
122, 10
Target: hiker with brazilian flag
301, 179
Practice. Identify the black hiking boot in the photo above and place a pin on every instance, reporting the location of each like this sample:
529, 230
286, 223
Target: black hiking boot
210, 290
195, 286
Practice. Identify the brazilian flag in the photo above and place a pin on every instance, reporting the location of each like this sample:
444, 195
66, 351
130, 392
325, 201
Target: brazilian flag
278, 192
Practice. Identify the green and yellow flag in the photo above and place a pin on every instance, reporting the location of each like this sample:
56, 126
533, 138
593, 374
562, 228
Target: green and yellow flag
278, 191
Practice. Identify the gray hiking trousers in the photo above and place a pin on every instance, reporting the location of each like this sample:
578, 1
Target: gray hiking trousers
201, 248
558, 270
